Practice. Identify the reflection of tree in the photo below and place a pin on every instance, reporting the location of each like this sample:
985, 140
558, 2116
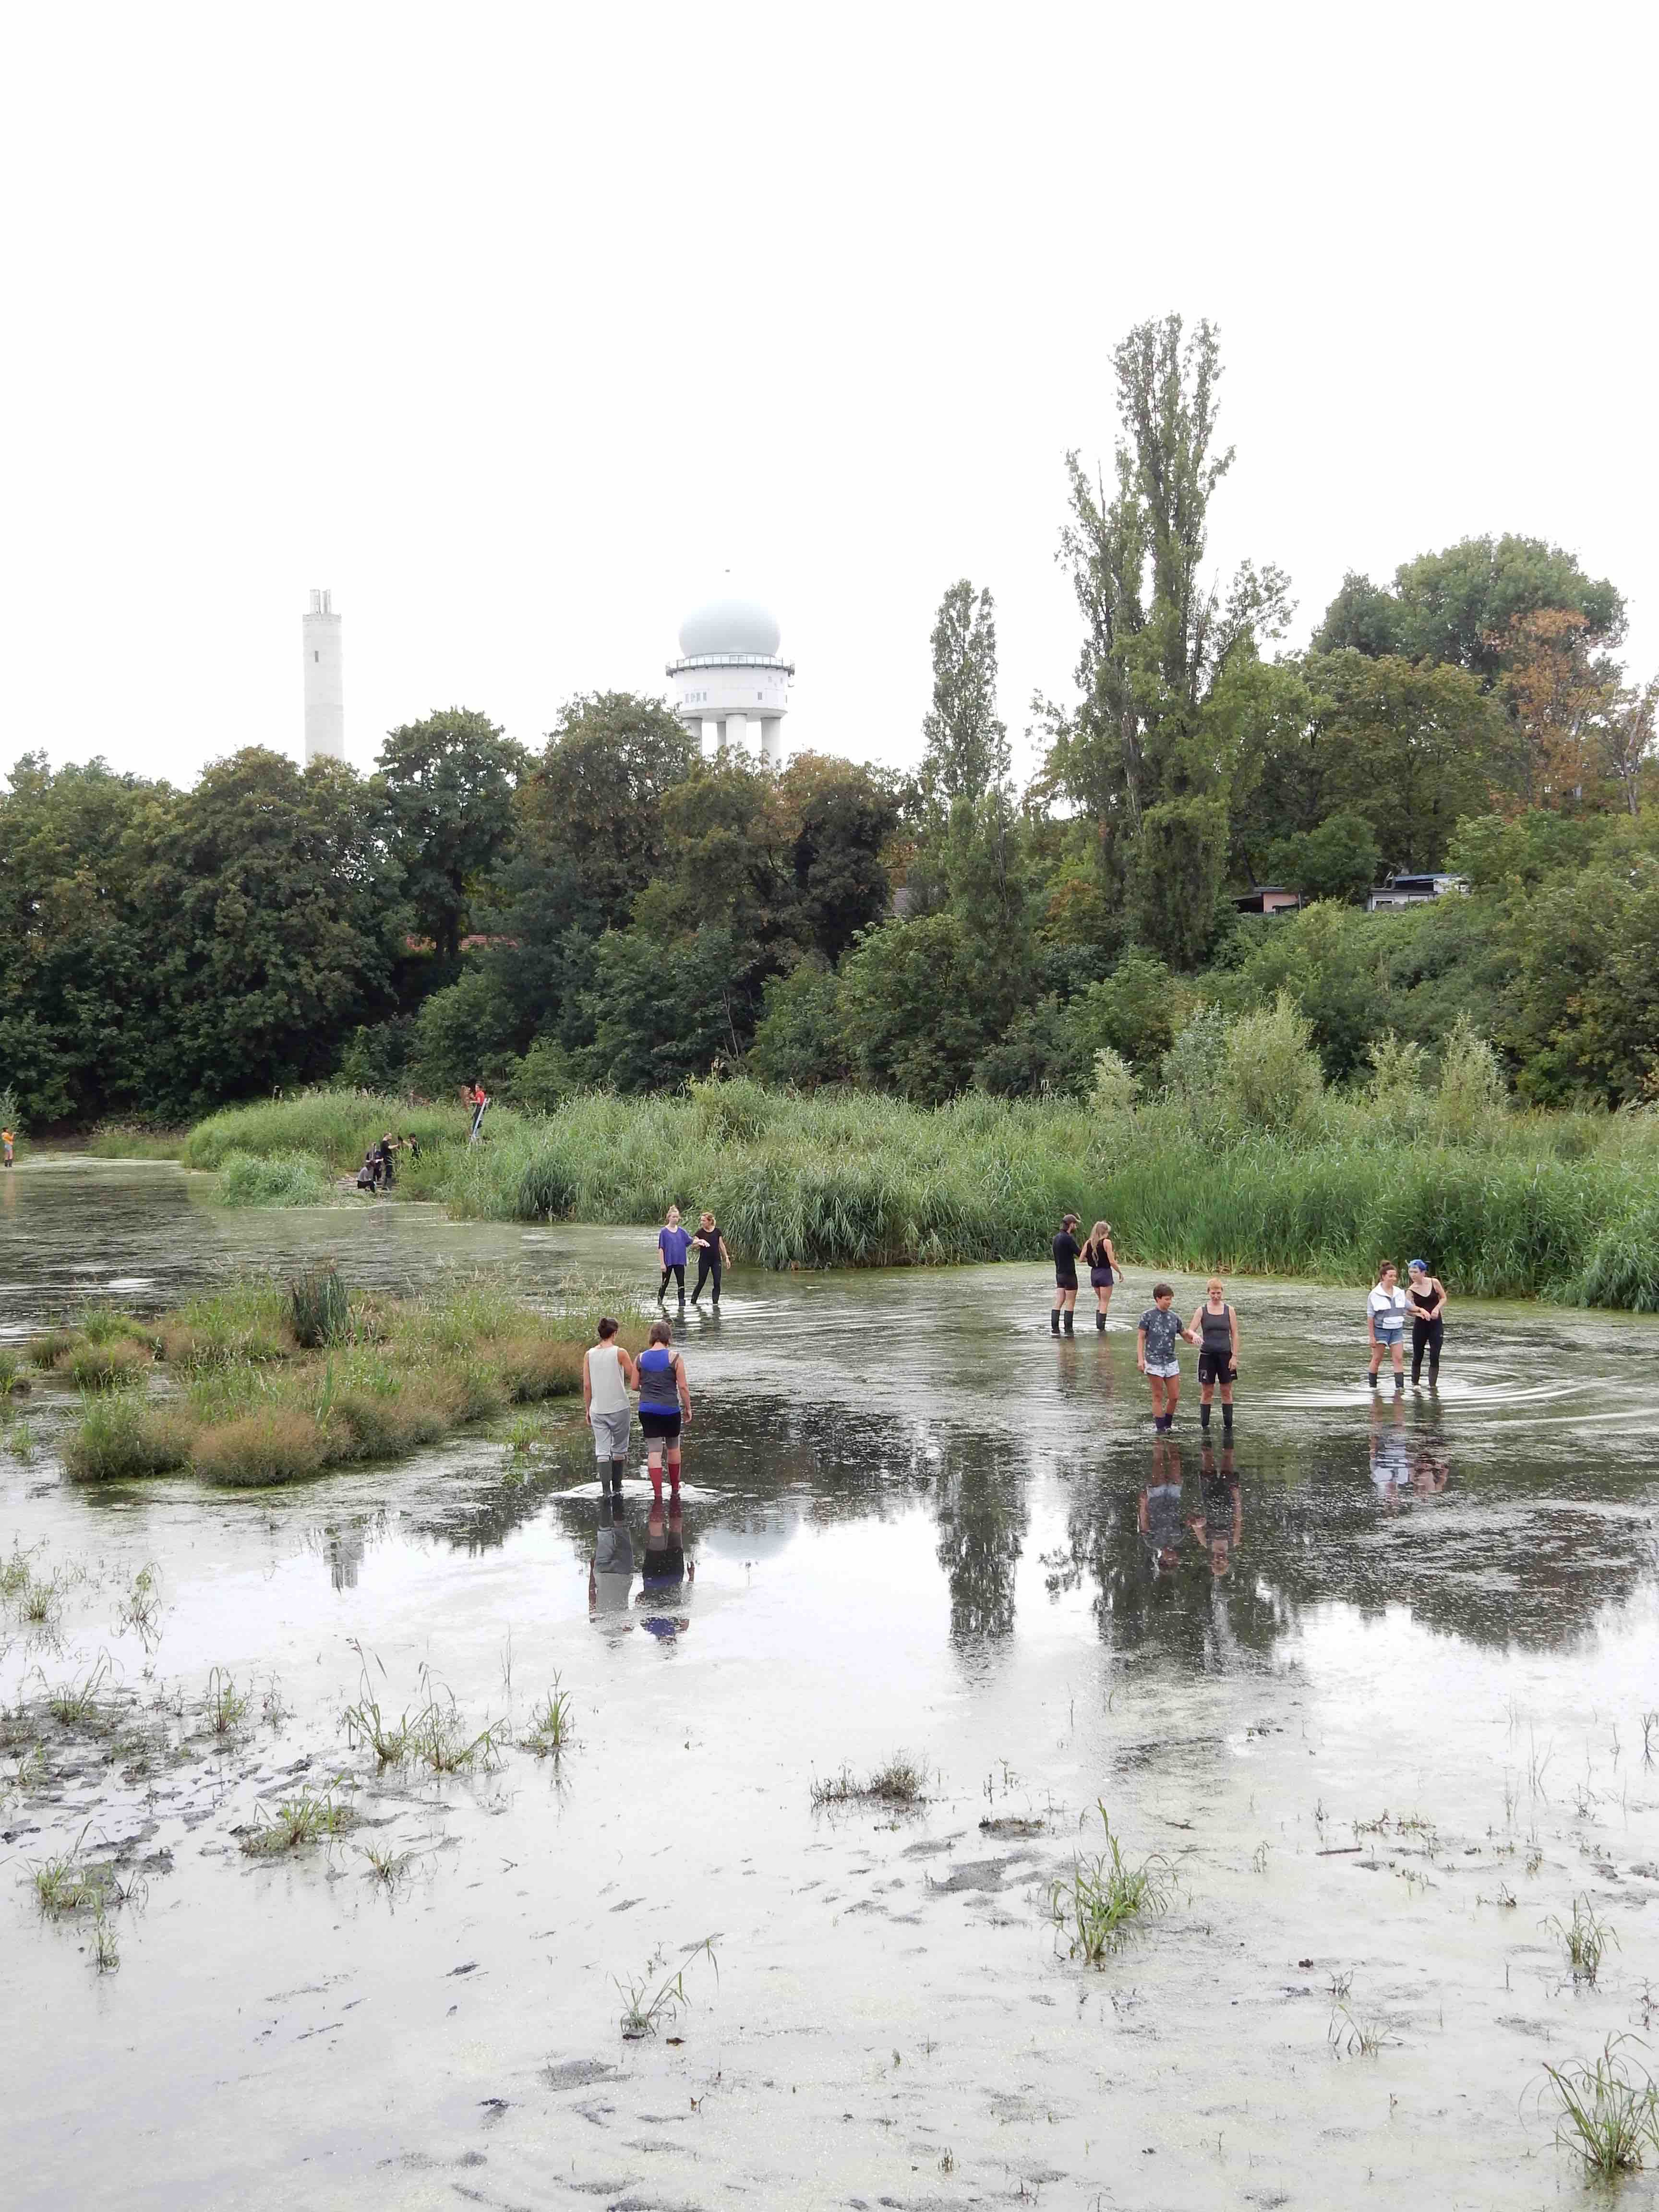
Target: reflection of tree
983, 1519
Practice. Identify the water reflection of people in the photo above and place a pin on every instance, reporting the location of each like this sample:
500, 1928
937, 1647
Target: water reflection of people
1158, 1515
665, 1571
1218, 1525
611, 1576
1391, 1466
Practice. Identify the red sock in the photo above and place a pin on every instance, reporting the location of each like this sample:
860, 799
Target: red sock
656, 1484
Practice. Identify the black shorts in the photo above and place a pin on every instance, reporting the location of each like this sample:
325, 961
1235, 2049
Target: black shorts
1100, 1278
659, 1424
1065, 1282
1214, 1366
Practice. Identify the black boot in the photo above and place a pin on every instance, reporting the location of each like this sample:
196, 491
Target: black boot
1053, 1322
1204, 1417
1068, 1320
1100, 1324
1226, 1420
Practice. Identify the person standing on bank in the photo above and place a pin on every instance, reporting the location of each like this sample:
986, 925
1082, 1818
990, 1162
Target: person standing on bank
1385, 1323
673, 1242
711, 1257
664, 1405
1102, 1263
1428, 1298
1065, 1250
608, 1374
1215, 1326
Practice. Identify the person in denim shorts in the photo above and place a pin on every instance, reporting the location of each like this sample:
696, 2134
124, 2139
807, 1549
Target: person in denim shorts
1155, 1340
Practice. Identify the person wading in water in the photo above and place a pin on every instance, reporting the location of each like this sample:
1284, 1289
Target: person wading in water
1214, 1327
608, 1374
1428, 1298
1065, 1250
664, 1405
1102, 1263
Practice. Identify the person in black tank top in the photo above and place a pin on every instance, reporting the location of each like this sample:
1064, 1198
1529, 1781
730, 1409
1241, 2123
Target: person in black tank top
1428, 1304
1216, 1327
1066, 1249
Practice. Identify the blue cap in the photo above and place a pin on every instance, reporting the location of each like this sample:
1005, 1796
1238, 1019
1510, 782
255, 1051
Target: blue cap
1422, 1264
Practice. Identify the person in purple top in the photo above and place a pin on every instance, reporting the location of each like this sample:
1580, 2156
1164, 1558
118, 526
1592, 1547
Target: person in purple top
673, 1242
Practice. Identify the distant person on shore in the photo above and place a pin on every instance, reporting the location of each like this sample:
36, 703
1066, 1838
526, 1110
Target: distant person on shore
1102, 1263
1214, 1326
608, 1374
478, 1098
1428, 1298
1067, 1251
1155, 1340
711, 1257
386, 1171
412, 1145
9, 1140
664, 1405
1385, 1324
673, 1242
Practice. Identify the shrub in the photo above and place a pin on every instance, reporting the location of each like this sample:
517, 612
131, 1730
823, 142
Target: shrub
318, 1309
535, 1368
1270, 1074
121, 1436
801, 1038
1472, 1094
104, 1366
1398, 1087
1113, 1092
280, 1444
278, 1179
1623, 1269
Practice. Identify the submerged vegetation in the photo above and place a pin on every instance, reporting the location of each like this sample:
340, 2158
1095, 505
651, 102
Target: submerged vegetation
270, 1383
1240, 1157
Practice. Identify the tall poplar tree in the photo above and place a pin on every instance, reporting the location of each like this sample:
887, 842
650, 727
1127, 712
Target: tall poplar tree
967, 744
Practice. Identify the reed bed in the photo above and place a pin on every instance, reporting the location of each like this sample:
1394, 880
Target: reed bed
1562, 1207
254, 1389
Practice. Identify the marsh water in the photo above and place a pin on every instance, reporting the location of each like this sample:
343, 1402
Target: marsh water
1371, 1688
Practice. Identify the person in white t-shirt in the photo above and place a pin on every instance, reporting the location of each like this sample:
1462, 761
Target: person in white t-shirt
1386, 1309
608, 1374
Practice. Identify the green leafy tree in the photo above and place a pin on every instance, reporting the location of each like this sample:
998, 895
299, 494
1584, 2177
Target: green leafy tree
841, 817
78, 949
1457, 606
966, 745
1339, 860
275, 917
661, 1013
1412, 750
589, 836
1180, 858
913, 1001
448, 784
1157, 640
801, 1039
1135, 1011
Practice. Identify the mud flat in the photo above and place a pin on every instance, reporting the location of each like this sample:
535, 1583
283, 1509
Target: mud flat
1372, 1701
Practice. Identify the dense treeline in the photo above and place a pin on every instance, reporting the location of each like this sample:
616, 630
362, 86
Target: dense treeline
616, 912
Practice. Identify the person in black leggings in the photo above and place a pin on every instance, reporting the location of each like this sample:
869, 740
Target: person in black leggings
1065, 1250
1428, 1298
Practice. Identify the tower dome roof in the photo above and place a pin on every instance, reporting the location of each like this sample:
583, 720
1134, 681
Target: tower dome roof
729, 626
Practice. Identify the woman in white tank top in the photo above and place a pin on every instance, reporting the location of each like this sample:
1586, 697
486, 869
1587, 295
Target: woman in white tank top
608, 1374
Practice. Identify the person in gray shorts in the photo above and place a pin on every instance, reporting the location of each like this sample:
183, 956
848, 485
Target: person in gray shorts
608, 1374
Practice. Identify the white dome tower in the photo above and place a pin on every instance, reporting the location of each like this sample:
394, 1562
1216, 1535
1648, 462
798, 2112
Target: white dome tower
732, 688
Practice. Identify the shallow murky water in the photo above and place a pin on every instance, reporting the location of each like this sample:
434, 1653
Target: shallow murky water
1374, 1686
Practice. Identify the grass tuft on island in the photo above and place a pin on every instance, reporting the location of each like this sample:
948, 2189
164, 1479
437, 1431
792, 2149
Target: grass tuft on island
270, 1383
1503, 1203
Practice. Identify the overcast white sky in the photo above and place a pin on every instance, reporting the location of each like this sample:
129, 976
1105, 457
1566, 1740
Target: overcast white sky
517, 325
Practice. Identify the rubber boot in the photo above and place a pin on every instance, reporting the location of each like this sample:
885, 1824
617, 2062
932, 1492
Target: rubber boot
1226, 1420
618, 1468
1100, 1324
1204, 1417
1398, 1383
656, 1484
1068, 1320
1054, 1321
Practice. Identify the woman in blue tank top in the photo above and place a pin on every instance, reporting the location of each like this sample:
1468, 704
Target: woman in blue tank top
664, 1405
